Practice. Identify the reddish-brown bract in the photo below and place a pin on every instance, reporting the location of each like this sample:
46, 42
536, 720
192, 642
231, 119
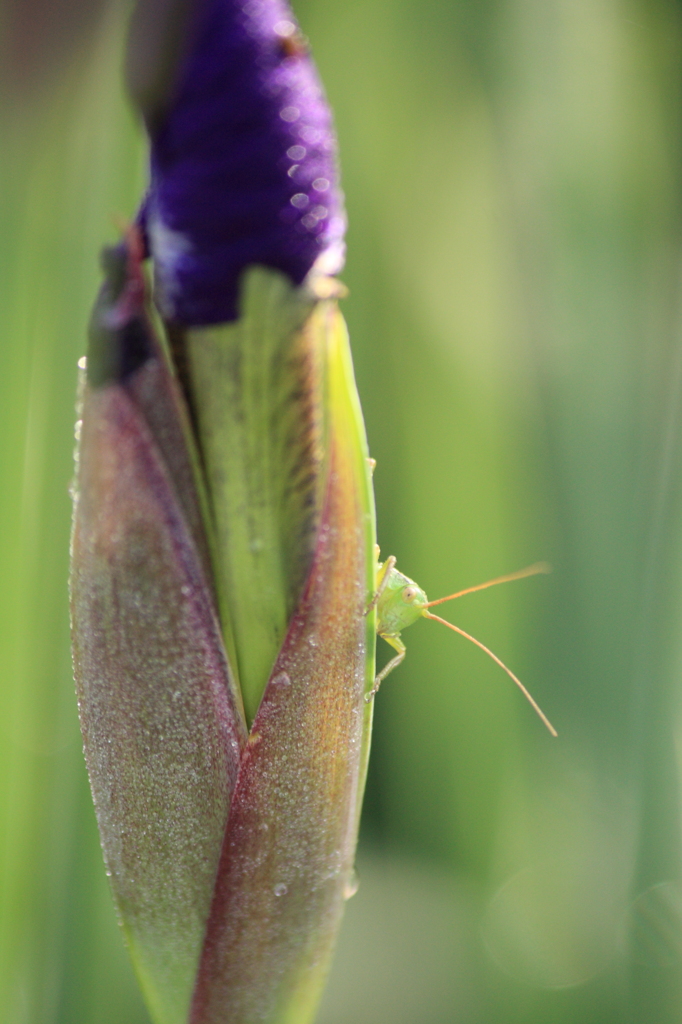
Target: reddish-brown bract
290, 842
161, 729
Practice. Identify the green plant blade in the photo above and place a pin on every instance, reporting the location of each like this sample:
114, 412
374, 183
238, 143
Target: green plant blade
288, 855
162, 729
256, 390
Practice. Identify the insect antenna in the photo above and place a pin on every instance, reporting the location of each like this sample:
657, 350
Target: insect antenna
522, 688
530, 570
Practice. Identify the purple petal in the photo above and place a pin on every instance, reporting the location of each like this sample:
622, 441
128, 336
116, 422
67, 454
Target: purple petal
243, 164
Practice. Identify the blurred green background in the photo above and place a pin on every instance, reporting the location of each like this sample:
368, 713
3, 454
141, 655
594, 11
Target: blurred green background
513, 174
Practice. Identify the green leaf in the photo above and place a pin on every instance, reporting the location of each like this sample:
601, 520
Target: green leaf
257, 393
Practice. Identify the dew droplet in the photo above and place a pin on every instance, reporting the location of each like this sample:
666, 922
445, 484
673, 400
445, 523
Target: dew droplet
82, 363
280, 889
321, 184
352, 885
281, 679
311, 135
290, 114
285, 28
296, 152
300, 200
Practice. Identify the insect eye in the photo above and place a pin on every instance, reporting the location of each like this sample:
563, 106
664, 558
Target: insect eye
409, 594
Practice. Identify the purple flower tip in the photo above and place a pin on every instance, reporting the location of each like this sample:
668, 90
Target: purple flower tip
243, 164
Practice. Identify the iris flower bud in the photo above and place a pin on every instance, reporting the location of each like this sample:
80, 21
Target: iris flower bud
223, 540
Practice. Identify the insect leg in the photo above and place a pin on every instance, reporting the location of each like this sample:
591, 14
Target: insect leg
397, 644
381, 586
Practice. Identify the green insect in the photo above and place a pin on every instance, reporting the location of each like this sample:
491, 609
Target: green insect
399, 602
